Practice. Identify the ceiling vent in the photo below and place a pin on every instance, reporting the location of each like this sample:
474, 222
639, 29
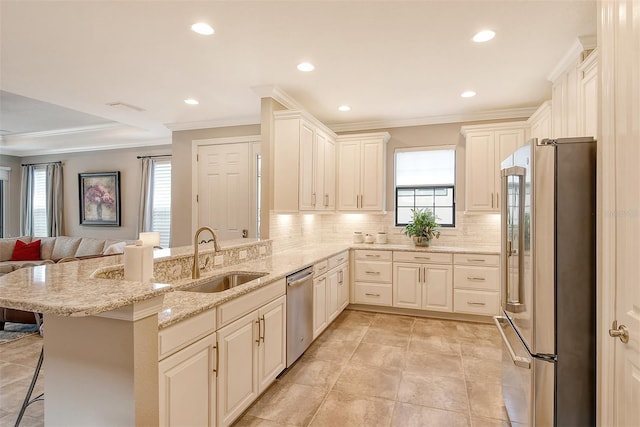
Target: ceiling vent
124, 106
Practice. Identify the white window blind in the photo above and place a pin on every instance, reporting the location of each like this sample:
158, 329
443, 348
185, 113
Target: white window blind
40, 202
161, 210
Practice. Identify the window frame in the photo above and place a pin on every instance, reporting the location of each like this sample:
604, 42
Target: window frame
165, 241
427, 187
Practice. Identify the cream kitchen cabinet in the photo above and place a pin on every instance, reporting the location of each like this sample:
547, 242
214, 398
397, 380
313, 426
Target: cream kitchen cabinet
423, 280
476, 284
320, 287
187, 385
252, 352
304, 163
486, 147
361, 177
588, 96
540, 122
337, 285
373, 276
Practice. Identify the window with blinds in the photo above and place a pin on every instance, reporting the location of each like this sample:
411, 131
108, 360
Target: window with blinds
161, 200
40, 202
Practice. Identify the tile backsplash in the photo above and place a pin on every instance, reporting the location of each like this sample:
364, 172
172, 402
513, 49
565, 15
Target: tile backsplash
293, 230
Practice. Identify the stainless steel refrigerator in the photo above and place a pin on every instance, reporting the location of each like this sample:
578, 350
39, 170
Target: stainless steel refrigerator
548, 262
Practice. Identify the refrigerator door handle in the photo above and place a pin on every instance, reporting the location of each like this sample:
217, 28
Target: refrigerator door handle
517, 360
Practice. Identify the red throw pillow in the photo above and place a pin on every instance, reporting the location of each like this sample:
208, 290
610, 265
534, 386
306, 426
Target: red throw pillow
26, 251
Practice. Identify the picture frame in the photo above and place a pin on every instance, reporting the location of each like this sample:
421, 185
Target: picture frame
99, 198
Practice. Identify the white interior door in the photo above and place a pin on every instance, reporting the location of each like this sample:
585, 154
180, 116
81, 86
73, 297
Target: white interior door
619, 39
223, 189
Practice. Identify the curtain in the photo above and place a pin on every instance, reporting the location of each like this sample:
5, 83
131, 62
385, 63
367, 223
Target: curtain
145, 213
26, 200
55, 201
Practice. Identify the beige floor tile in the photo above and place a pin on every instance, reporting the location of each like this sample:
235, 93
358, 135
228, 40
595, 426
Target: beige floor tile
485, 400
481, 351
313, 372
434, 364
343, 333
434, 344
27, 421
291, 403
478, 332
488, 422
385, 356
369, 381
434, 391
482, 370
335, 351
12, 396
424, 327
407, 415
345, 410
393, 322
355, 318
11, 372
249, 421
24, 351
399, 338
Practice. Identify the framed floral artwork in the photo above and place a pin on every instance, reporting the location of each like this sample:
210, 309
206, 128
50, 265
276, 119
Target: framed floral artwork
99, 198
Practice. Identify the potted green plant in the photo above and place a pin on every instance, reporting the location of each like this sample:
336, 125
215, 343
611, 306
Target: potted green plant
423, 227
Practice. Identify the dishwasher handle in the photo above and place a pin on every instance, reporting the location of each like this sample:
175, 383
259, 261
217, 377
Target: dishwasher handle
517, 360
296, 281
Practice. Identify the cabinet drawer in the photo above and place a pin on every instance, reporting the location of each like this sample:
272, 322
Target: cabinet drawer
477, 259
188, 331
336, 260
242, 305
422, 257
373, 255
320, 268
371, 293
476, 302
481, 278
373, 271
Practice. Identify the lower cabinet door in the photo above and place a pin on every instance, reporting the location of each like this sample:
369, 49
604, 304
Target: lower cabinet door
272, 348
343, 282
437, 291
407, 285
333, 294
187, 385
238, 367
319, 305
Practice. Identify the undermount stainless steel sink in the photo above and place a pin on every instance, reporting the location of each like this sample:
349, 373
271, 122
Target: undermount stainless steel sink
222, 283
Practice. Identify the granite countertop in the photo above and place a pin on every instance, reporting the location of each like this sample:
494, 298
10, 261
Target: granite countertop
70, 289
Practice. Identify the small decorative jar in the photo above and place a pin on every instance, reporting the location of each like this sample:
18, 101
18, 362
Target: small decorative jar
358, 237
368, 238
381, 237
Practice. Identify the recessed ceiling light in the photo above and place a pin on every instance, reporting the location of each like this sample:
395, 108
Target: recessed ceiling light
484, 36
468, 94
344, 108
202, 28
191, 101
306, 67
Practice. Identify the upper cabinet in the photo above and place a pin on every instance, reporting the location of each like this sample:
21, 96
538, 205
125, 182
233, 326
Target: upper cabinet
486, 147
574, 93
361, 171
304, 159
540, 122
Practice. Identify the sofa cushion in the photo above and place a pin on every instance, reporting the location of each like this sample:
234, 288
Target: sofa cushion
46, 247
65, 246
7, 245
26, 251
89, 246
115, 248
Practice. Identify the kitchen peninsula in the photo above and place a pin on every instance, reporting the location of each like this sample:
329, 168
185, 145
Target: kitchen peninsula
102, 333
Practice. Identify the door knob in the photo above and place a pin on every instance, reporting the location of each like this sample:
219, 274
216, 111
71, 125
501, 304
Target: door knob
619, 331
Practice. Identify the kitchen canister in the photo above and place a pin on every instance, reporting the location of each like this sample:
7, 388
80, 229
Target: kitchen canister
381, 238
368, 238
358, 237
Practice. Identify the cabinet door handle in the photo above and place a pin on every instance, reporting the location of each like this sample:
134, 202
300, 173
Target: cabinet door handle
340, 259
476, 260
340, 280
492, 200
264, 328
497, 200
372, 295
326, 200
476, 279
372, 256
217, 358
313, 199
476, 303
258, 339
373, 272
422, 257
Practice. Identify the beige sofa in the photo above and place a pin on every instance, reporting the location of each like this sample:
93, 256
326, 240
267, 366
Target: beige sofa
52, 250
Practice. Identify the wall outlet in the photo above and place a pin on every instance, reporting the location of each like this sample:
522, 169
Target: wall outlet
262, 250
218, 260
242, 255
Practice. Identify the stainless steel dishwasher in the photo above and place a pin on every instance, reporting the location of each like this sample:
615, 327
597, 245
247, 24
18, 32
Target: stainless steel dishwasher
299, 313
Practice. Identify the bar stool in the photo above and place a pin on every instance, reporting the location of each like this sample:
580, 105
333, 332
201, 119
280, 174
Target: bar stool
27, 399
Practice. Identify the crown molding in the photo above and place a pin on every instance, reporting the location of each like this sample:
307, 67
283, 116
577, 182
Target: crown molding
77, 149
493, 126
206, 124
572, 56
271, 91
512, 113
62, 132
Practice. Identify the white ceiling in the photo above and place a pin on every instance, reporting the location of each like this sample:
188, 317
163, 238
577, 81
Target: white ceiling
393, 62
